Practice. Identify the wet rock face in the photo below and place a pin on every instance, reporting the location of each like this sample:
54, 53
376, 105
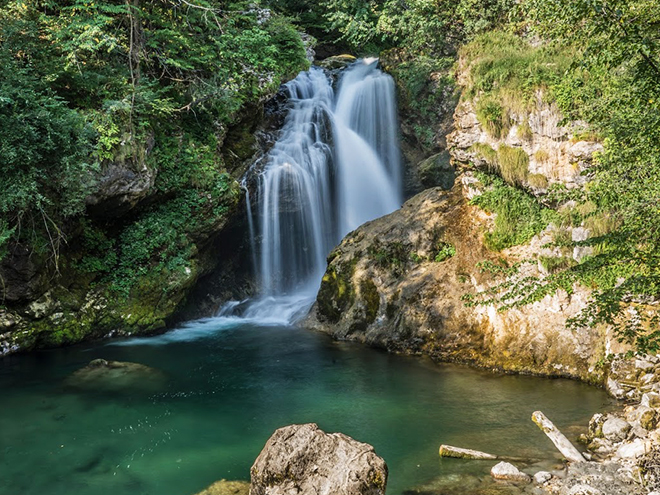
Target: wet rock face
22, 275
437, 171
301, 459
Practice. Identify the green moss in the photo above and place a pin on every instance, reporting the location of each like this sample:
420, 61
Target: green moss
437, 171
336, 292
370, 296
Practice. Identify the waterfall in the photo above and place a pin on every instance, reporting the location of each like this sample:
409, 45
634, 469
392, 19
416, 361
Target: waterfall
335, 166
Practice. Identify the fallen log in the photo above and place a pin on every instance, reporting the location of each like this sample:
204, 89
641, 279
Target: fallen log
458, 453
562, 443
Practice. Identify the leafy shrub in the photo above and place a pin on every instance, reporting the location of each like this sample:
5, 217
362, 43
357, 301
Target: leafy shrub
519, 216
444, 251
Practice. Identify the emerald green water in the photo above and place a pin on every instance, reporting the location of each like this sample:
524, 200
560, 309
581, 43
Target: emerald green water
230, 384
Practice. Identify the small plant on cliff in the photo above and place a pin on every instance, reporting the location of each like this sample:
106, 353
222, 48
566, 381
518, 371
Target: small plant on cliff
493, 117
537, 181
513, 164
444, 251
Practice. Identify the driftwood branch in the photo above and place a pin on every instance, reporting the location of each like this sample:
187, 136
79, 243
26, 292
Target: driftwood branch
562, 443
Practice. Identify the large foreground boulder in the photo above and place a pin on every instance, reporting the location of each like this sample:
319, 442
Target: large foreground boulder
301, 459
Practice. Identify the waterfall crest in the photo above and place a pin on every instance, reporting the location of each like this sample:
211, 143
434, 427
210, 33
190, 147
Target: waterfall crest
335, 166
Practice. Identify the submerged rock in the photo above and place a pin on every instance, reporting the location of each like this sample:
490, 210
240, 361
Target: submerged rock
304, 459
116, 376
224, 487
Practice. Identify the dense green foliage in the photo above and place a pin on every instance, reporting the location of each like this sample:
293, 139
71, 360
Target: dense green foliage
150, 85
427, 27
426, 89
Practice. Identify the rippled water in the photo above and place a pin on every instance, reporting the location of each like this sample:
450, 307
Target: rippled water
230, 383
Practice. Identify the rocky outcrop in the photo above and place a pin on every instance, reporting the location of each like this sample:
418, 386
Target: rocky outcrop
304, 459
555, 153
120, 187
398, 283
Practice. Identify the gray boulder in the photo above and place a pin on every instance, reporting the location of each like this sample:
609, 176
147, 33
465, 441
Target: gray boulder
509, 472
615, 429
301, 459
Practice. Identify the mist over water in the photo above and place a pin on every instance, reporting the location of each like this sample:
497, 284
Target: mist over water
335, 166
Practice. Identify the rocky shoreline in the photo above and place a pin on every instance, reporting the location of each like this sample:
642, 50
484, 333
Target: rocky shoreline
622, 447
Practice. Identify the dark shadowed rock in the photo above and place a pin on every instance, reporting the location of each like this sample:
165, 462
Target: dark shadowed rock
120, 187
302, 459
22, 274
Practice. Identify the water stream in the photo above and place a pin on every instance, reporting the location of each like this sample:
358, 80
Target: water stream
335, 166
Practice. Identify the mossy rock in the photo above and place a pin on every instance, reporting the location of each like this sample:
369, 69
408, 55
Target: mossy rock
336, 293
337, 62
370, 295
436, 171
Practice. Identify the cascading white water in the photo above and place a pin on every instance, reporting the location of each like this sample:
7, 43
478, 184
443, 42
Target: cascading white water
335, 166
